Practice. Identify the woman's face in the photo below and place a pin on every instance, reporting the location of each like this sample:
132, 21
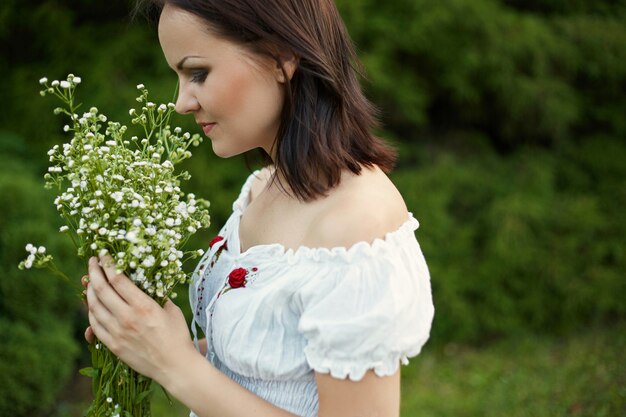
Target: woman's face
236, 98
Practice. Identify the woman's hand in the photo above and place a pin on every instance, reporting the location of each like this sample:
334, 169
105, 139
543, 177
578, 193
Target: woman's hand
147, 337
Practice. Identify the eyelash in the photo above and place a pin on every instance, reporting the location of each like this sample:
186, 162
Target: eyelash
199, 76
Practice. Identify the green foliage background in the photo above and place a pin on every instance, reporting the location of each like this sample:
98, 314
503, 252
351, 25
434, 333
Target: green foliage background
510, 117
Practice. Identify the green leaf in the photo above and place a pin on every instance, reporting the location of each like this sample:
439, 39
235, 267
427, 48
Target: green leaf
89, 371
142, 396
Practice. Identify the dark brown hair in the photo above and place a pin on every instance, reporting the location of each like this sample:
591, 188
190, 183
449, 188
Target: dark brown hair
326, 123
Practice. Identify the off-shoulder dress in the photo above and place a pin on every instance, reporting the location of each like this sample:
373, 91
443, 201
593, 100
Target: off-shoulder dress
272, 316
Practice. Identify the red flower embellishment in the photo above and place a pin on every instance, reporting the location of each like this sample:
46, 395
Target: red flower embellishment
215, 240
237, 278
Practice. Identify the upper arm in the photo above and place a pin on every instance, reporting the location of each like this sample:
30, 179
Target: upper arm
372, 396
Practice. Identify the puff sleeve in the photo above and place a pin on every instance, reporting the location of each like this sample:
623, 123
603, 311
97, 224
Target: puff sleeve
369, 307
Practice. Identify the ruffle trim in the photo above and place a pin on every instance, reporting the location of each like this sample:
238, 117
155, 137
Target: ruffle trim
340, 253
355, 368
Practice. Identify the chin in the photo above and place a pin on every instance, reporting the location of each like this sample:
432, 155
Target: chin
225, 153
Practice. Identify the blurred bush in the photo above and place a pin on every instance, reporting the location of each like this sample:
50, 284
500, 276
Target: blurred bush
521, 78
37, 310
529, 243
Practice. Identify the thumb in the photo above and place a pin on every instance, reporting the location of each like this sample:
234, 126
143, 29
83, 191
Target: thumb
169, 306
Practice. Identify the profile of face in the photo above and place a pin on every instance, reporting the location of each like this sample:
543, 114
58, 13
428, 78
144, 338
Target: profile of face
234, 95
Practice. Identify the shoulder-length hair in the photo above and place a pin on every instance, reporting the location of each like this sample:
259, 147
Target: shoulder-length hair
327, 122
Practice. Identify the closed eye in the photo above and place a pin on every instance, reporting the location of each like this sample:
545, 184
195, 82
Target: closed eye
198, 76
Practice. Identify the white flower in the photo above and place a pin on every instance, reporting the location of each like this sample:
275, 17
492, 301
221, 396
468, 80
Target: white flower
65, 84
149, 261
140, 86
77, 80
28, 263
43, 80
30, 247
131, 236
55, 83
64, 228
41, 249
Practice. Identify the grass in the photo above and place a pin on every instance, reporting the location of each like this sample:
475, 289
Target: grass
581, 376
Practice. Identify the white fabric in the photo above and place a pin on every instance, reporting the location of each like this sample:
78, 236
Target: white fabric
341, 311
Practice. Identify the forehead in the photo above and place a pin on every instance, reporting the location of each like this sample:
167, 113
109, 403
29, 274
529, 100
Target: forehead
176, 25
182, 33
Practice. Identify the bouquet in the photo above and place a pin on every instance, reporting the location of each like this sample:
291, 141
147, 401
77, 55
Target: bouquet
122, 198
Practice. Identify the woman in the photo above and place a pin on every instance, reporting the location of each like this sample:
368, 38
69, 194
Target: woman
316, 289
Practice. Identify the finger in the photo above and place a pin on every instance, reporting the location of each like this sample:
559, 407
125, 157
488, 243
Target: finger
169, 305
99, 311
98, 329
89, 336
100, 290
120, 282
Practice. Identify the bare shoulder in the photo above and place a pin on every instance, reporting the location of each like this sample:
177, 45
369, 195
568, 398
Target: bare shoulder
362, 208
260, 181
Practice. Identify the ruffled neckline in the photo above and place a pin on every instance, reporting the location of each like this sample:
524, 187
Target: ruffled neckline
278, 251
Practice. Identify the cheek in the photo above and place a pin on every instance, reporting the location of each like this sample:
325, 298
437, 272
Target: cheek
227, 95
245, 95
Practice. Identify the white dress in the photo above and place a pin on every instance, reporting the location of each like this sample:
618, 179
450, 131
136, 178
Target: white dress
273, 316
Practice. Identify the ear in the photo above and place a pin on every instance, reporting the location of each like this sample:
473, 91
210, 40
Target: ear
288, 63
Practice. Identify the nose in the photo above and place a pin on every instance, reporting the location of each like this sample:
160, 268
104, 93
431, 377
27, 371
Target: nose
186, 101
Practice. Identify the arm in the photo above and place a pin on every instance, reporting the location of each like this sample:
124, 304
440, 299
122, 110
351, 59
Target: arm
155, 341
373, 396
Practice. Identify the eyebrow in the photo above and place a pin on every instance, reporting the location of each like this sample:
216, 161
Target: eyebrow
182, 61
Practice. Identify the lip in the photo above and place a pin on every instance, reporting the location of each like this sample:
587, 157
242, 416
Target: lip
207, 127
